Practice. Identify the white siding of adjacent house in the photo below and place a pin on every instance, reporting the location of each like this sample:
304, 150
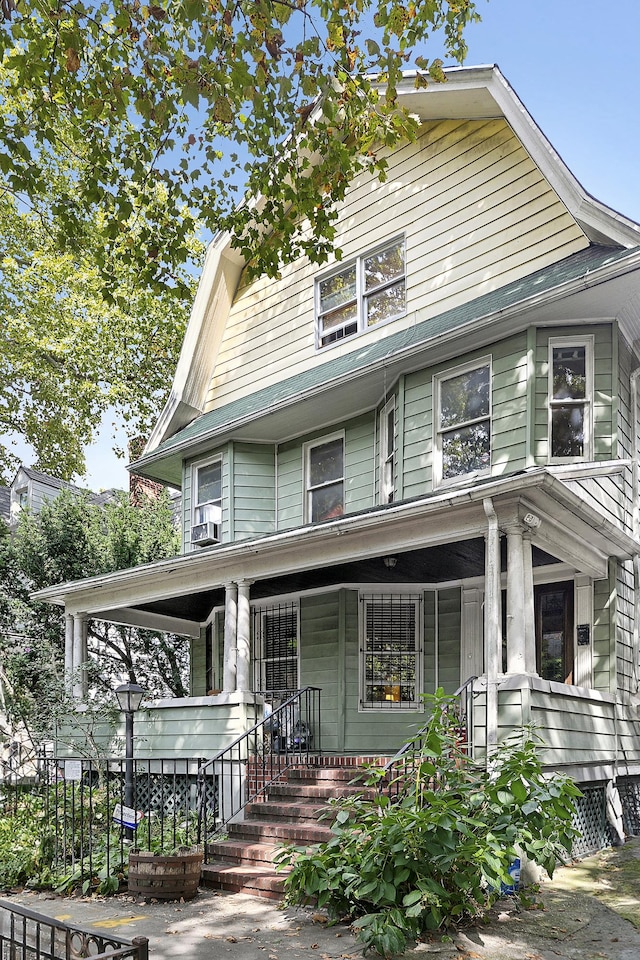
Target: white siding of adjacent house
476, 213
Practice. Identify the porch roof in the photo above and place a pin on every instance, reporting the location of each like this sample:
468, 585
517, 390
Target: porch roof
435, 538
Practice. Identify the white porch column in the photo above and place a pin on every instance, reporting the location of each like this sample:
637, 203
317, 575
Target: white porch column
230, 636
68, 652
80, 684
244, 636
516, 613
492, 622
529, 606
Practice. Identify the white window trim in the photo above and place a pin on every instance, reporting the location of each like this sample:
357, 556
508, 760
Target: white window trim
195, 467
394, 708
588, 343
360, 297
308, 490
384, 488
437, 382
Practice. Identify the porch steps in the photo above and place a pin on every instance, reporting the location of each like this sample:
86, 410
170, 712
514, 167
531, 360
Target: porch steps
290, 813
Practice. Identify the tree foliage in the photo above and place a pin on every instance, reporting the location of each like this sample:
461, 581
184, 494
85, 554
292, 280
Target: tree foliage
165, 110
68, 354
439, 855
71, 539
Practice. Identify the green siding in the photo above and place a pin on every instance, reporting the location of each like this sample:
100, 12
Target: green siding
449, 623
254, 487
603, 611
319, 662
198, 668
359, 463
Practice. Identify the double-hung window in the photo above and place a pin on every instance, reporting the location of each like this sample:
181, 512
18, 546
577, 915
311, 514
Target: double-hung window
207, 502
390, 660
570, 398
275, 632
387, 452
366, 292
325, 479
463, 422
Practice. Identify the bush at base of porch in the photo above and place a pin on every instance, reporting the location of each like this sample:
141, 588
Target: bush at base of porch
439, 855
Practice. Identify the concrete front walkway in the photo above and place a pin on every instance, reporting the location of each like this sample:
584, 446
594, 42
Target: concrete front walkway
591, 911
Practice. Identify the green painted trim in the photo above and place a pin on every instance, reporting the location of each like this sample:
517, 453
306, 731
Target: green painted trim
232, 490
400, 429
532, 336
615, 387
341, 686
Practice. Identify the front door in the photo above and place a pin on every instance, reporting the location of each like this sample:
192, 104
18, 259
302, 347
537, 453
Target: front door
554, 631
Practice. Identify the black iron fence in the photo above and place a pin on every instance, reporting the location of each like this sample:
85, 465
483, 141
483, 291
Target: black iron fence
287, 736
27, 935
89, 828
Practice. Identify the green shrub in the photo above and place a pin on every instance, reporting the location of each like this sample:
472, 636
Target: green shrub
438, 855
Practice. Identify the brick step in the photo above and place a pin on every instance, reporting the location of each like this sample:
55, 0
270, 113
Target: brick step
259, 881
324, 774
314, 791
243, 851
279, 831
286, 810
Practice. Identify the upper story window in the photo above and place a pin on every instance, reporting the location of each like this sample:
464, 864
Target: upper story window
325, 479
462, 401
570, 398
387, 452
368, 291
207, 503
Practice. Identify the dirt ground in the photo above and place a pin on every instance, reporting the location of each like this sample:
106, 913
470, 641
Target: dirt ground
590, 910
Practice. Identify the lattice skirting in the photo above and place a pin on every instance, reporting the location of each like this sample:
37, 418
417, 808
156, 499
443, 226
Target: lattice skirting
590, 819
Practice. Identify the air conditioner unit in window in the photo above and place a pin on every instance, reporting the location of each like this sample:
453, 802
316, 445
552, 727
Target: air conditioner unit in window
203, 534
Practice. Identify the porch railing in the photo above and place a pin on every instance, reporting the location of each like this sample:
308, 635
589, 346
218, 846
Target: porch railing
27, 935
396, 768
288, 735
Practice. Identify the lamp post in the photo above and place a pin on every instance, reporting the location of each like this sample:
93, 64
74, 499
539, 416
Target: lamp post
129, 697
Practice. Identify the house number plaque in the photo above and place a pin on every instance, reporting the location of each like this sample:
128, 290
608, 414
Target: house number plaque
584, 634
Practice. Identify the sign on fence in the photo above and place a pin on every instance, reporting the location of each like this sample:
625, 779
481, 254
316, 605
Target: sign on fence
73, 769
127, 816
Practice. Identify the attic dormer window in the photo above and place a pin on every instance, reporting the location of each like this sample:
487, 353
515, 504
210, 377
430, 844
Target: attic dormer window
366, 292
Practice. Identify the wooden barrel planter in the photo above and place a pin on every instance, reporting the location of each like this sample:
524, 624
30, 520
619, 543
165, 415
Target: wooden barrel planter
164, 877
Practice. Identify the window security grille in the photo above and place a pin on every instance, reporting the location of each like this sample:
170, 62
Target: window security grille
390, 652
275, 635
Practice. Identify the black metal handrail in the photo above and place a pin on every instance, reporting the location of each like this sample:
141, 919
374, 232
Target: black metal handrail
287, 736
35, 936
392, 779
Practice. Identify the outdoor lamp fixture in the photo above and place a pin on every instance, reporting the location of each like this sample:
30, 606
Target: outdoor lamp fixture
129, 698
390, 562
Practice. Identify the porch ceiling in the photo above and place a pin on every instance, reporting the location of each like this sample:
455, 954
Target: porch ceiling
439, 564
435, 539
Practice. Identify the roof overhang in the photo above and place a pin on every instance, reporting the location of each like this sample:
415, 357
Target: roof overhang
158, 596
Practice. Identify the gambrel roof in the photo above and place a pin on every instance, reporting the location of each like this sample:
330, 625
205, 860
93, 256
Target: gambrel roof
610, 247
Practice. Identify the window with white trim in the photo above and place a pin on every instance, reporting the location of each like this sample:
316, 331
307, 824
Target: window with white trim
275, 633
570, 398
325, 479
390, 653
463, 422
387, 452
207, 492
368, 291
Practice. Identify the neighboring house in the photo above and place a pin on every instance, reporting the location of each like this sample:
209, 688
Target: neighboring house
414, 466
31, 489
5, 503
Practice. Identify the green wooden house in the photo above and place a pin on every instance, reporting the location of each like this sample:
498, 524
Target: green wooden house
415, 467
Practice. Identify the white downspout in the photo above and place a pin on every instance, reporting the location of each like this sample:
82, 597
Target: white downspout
492, 622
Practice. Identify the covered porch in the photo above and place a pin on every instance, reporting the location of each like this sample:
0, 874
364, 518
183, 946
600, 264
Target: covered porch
485, 552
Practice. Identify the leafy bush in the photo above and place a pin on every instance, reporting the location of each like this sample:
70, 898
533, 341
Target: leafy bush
438, 855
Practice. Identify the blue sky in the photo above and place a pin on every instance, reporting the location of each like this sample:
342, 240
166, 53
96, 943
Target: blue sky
575, 64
